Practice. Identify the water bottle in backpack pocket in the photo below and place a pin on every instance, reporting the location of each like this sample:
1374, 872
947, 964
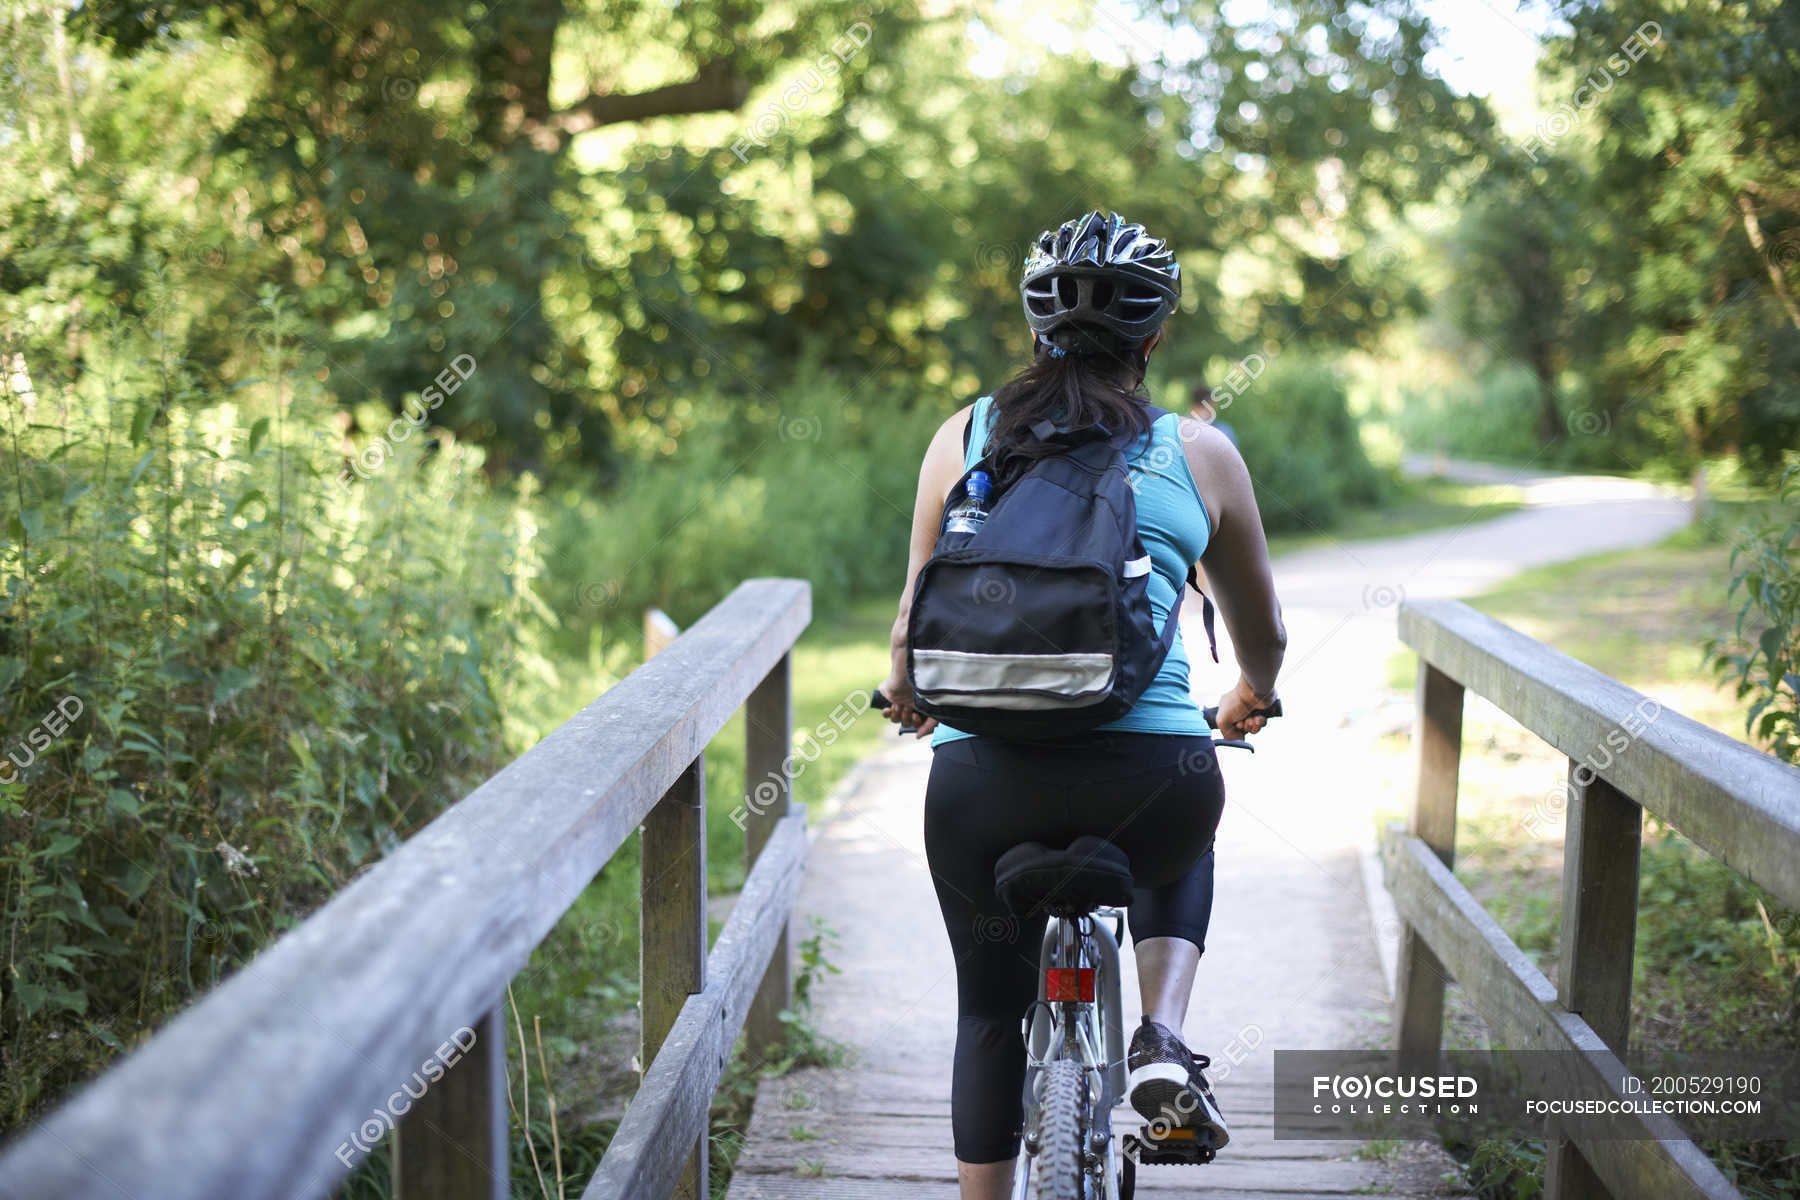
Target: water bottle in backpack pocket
968, 514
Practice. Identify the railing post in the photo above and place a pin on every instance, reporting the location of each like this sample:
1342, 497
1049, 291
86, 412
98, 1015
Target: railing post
1419, 990
1599, 928
672, 950
769, 721
451, 1142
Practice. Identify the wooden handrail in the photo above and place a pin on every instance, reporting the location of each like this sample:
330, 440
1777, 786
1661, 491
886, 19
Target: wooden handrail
1627, 755
256, 1089
1741, 805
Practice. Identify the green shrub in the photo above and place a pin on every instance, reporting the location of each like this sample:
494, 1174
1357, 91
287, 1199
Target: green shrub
1302, 446
260, 680
1493, 417
1496, 417
818, 486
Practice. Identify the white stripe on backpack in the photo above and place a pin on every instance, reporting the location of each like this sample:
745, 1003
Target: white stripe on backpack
973, 679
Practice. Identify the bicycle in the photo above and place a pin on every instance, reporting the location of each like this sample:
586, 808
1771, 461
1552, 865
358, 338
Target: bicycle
1075, 1072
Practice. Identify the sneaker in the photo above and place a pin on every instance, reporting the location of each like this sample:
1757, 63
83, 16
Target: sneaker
1166, 1083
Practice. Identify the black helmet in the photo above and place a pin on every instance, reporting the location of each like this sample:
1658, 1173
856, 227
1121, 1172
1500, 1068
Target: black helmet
1100, 270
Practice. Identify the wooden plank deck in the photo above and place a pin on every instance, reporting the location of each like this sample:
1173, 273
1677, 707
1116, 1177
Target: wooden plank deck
824, 1134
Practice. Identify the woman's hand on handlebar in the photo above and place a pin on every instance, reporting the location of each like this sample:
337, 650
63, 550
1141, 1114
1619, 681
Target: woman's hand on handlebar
900, 708
1238, 715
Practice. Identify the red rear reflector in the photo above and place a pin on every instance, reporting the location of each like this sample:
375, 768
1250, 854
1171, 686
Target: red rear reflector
1069, 984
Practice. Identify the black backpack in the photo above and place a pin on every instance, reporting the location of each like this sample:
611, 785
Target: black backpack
1038, 625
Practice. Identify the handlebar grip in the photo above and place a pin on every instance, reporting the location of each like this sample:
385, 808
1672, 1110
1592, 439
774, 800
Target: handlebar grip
877, 700
1274, 710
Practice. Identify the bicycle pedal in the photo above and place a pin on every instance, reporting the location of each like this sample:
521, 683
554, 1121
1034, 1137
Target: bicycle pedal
1177, 1147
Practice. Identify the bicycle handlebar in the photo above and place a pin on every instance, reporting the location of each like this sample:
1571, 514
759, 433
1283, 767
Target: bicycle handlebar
877, 700
1212, 718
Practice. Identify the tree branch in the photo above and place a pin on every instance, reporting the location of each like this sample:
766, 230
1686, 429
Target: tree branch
716, 87
1753, 229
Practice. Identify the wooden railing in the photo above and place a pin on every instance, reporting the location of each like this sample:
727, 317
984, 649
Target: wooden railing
1627, 755
260, 1088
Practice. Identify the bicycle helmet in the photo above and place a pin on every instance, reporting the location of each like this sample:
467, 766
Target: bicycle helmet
1099, 270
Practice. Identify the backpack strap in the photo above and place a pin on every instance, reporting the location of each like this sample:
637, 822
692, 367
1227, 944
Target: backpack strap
1206, 614
969, 425
1045, 430
1173, 621
1193, 580
1206, 617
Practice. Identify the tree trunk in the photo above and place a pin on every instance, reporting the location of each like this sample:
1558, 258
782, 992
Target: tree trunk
1550, 422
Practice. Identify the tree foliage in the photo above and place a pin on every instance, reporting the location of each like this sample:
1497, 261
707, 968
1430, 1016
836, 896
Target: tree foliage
613, 207
1646, 239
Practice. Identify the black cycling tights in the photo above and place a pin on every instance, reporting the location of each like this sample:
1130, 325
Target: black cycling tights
1155, 796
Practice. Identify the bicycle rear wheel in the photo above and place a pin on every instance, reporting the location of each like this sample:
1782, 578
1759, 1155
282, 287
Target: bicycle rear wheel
1061, 1145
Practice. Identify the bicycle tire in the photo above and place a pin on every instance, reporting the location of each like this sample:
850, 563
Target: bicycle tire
1061, 1175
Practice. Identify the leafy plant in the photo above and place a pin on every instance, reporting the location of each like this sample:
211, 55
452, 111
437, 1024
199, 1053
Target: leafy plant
1764, 663
228, 682
1506, 1168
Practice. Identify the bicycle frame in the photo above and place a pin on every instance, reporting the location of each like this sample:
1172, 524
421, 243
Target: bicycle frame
1088, 1031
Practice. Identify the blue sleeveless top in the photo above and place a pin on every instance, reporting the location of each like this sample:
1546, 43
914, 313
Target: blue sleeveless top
1174, 527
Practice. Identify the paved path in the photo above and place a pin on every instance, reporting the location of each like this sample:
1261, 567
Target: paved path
1292, 960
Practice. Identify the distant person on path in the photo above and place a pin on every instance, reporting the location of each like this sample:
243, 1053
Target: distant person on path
1097, 292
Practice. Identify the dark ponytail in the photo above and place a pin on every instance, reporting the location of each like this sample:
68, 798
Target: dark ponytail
1096, 379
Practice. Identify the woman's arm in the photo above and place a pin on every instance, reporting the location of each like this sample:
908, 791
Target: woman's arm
1236, 560
938, 473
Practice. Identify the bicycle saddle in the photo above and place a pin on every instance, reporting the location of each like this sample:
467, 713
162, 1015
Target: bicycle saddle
1091, 873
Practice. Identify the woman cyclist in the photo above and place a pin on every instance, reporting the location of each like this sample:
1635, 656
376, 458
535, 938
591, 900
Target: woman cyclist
1096, 292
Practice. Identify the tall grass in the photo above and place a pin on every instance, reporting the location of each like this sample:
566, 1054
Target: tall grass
258, 680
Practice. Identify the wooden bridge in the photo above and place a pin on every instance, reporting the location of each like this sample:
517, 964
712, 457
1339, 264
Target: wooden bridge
257, 1090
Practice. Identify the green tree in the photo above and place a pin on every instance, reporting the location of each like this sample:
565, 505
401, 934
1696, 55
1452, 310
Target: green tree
409, 174
1514, 256
1694, 211
1332, 131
